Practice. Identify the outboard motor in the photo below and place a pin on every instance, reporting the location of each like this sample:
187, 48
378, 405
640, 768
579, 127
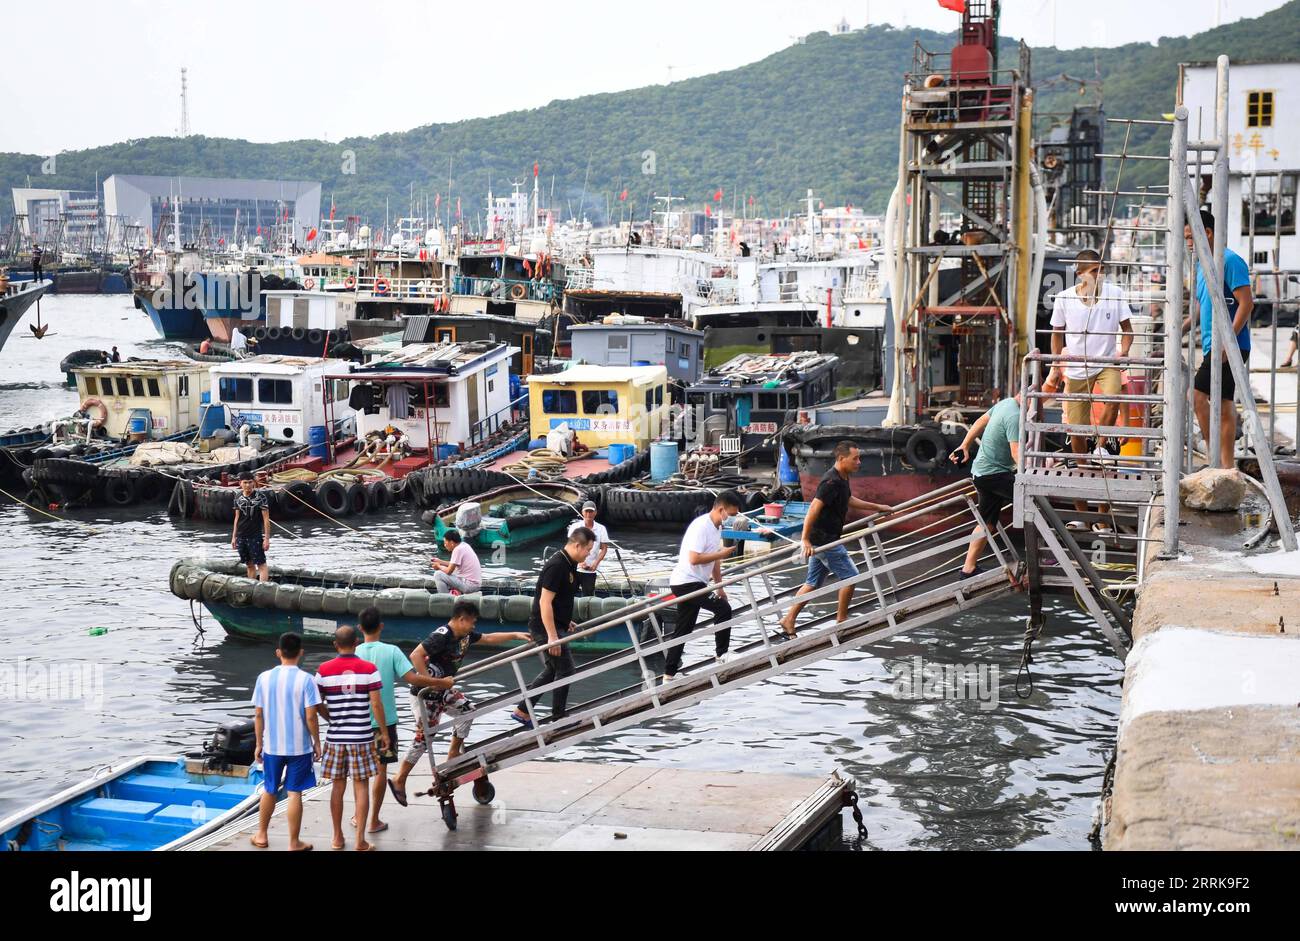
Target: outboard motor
233, 743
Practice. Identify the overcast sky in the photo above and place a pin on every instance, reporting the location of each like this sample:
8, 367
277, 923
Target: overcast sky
79, 73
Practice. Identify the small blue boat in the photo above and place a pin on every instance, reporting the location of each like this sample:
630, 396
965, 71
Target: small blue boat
760, 527
147, 803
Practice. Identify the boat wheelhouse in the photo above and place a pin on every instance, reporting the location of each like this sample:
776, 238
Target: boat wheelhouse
495, 278
752, 397
304, 323
628, 341
603, 405
153, 398
285, 395
440, 396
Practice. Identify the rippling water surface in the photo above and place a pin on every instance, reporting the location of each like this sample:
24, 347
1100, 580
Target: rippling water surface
932, 773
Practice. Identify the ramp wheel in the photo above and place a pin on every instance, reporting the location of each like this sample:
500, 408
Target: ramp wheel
485, 791
449, 813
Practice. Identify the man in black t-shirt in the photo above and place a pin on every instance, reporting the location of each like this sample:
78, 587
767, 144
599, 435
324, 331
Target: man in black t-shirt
251, 534
438, 656
552, 613
825, 523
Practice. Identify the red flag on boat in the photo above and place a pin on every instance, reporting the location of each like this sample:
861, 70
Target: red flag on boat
622, 197
259, 230
221, 241
311, 235
708, 210
536, 168
957, 6
437, 200
331, 210
717, 197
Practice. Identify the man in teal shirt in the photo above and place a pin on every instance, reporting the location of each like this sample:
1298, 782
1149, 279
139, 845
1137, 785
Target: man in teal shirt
1240, 301
994, 469
393, 667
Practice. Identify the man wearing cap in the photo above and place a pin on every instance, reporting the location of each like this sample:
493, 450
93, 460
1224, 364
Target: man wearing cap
587, 570
251, 534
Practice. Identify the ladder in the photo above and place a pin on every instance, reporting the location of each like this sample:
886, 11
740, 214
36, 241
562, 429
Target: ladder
908, 563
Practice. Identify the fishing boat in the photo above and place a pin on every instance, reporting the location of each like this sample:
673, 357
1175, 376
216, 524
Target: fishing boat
512, 516
315, 602
15, 298
147, 803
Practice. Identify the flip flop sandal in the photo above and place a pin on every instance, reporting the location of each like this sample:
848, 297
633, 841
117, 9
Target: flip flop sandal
399, 796
526, 723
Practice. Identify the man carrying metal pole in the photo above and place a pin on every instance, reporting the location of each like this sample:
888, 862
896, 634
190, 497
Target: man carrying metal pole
1240, 301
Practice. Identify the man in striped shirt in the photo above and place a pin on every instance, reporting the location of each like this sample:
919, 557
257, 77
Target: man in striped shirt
284, 719
351, 689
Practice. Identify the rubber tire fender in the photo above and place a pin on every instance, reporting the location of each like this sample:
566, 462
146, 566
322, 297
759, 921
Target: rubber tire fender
925, 440
332, 498
119, 490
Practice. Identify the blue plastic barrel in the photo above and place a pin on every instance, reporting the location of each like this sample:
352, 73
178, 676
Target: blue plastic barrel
663, 460
618, 453
446, 450
205, 398
214, 417
787, 473
138, 426
316, 438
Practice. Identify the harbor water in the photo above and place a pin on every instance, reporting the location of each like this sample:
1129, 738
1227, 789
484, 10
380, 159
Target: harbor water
87, 598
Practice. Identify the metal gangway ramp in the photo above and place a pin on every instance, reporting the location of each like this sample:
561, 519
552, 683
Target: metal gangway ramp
908, 560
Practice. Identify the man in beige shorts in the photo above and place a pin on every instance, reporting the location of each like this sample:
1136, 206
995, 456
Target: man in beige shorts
1091, 321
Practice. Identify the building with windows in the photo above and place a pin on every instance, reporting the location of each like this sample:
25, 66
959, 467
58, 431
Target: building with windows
1263, 155
215, 210
58, 217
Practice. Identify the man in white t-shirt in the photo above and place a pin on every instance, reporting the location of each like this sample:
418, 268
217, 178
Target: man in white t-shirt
699, 562
1090, 320
587, 569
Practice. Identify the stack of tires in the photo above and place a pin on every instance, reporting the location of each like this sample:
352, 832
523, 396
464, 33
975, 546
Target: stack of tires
630, 469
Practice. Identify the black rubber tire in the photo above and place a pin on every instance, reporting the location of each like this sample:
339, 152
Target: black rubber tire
449, 814
273, 333
332, 498
119, 490
184, 498
259, 333
926, 450
396, 490
295, 499
357, 501
298, 333
150, 487
484, 791
377, 497
315, 337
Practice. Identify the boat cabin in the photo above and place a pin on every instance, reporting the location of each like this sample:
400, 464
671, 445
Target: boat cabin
452, 394
322, 271
528, 337
631, 341
752, 396
604, 405
158, 397
493, 279
286, 395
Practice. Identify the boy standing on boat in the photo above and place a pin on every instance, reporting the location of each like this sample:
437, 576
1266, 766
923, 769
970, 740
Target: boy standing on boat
251, 534
433, 680
288, 740
587, 568
350, 688
393, 666
825, 523
699, 562
461, 574
552, 613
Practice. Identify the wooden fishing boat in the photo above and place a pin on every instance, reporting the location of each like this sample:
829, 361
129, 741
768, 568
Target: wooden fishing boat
514, 515
314, 602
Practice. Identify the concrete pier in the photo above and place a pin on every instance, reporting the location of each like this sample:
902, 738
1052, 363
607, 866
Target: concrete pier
1209, 739
572, 805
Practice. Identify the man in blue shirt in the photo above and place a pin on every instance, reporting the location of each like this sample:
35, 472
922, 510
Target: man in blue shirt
1240, 301
994, 470
288, 738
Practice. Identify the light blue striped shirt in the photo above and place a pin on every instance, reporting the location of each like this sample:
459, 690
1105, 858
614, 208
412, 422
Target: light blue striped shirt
283, 694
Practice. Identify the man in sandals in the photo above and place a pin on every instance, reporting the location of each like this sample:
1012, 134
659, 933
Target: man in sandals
436, 661
1089, 321
994, 470
288, 740
350, 689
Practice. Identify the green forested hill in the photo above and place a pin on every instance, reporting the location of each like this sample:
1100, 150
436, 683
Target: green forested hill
823, 113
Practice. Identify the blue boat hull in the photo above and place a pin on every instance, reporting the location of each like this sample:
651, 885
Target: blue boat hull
172, 322
149, 804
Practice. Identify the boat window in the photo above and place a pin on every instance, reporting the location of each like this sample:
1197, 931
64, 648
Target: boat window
275, 391
121, 386
340, 390
559, 401
90, 385
649, 398
685, 354
182, 385
659, 396
775, 401
441, 395
235, 389
153, 388
618, 341
137, 386
794, 342
599, 401
670, 343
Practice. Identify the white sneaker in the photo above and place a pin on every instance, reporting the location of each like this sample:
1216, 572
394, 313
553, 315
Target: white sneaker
722, 657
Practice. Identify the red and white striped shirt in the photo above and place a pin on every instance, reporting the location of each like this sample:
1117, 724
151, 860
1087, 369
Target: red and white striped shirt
345, 683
